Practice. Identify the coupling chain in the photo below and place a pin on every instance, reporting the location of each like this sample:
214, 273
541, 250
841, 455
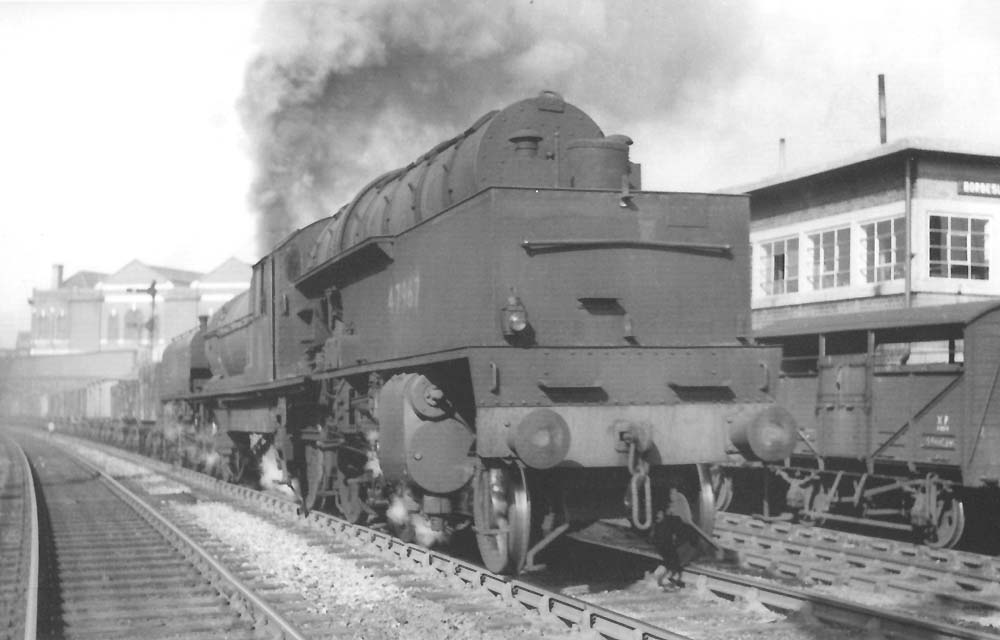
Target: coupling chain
640, 489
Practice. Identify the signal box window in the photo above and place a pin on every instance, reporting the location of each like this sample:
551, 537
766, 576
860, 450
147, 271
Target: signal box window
885, 250
780, 266
958, 248
831, 258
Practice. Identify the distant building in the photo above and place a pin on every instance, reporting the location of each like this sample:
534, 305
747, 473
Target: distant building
911, 223
94, 327
22, 346
139, 307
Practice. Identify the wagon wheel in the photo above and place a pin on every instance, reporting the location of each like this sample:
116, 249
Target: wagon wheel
502, 516
818, 505
949, 525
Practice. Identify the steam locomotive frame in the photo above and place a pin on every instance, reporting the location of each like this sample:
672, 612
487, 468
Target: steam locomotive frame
506, 337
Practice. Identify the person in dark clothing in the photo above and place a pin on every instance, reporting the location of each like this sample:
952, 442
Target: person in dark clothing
671, 529
664, 539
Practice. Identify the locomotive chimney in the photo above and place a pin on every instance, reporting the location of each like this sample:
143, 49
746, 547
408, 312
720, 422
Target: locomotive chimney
57, 276
203, 322
881, 108
598, 163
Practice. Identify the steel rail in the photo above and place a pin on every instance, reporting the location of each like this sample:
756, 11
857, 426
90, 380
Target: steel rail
821, 607
573, 612
31, 510
830, 609
267, 618
970, 572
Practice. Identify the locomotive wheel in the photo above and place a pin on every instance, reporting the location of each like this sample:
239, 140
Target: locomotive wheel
132, 438
502, 516
240, 460
156, 448
950, 525
722, 488
314, 476
347, 497
703, 509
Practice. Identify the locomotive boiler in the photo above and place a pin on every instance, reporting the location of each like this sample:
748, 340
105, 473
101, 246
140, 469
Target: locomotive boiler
507, 337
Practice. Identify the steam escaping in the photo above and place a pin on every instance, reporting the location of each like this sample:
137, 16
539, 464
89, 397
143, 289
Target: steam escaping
211, 461
340, 92
273, 476
397, 512
414, 525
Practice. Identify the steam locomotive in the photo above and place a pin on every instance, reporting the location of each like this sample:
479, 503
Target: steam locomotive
506, 337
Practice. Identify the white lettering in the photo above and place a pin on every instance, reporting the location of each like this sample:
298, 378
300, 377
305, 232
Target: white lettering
974, 188
404, 295
938, 442
942, 423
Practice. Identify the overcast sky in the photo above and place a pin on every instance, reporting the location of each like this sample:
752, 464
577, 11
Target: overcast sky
121, 138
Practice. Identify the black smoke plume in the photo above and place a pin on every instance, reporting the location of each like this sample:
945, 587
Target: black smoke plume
340, 92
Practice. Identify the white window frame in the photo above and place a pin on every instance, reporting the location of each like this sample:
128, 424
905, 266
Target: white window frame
956, 247
874, 247
829, 271
789, 282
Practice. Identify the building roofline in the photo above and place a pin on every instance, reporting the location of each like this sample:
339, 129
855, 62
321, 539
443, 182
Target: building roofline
918, 145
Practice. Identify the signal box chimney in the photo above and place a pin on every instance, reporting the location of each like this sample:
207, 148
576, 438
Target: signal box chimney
881, 108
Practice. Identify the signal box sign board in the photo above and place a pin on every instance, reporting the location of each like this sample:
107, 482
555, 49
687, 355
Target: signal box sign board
977, 188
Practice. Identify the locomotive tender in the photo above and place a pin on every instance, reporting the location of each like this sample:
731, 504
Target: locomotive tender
899, 419
507, 334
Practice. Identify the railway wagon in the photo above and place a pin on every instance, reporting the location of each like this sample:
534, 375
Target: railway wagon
507, 336
899, 414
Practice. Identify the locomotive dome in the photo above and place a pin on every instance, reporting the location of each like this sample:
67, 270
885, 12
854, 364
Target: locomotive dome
540, 142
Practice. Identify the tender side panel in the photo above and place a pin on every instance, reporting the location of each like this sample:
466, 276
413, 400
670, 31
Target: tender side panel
668, 269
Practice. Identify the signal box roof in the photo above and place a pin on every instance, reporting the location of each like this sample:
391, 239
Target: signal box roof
918, 146
950, 314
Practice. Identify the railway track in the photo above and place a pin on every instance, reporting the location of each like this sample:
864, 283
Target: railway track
116, 569
828, 557
426, 594
766, 578
740, 605
18, 545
